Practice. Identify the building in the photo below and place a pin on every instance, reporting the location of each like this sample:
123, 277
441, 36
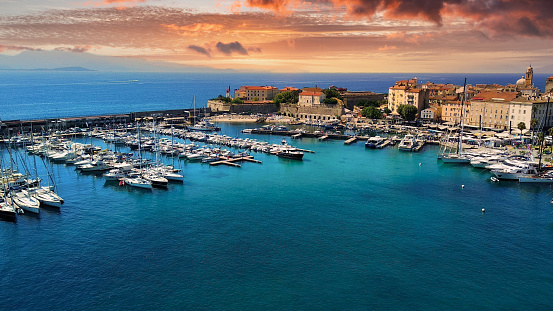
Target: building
523, 109
429, 114
256, 93
451, 111
310, 98
490, 109
549, 85
287, 89
311, 107
407, 92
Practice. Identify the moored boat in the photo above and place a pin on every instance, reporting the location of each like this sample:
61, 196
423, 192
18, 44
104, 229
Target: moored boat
290, 154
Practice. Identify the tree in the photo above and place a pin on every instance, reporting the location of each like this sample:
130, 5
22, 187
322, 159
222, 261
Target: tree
237, 101
521, 126
533, 124
371, 113
330, 101
223, 99
288, 97
550, 132
387, 110
407, 112
332, 93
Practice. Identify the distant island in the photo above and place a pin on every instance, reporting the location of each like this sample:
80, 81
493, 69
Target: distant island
52, 69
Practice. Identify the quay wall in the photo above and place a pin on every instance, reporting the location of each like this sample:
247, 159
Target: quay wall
13, 127
219, 106
350, 99
321, 112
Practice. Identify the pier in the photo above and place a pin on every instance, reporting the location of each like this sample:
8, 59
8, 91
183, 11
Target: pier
351, 141
231, 162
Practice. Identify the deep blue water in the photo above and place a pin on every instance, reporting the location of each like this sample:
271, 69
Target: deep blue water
35, 95
345, 229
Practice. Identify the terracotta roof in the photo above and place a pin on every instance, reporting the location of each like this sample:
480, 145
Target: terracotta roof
311, 93
288, 88
259, 88
490, 95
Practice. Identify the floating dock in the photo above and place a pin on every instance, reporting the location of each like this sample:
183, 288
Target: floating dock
231, 162
350, 141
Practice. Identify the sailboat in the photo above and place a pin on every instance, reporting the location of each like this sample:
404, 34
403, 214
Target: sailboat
204, 125
137, 180
459, 157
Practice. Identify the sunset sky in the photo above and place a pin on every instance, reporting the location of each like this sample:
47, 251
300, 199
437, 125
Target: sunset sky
293, 35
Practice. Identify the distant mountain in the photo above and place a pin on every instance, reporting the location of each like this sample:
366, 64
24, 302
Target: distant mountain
50, 69
70, 61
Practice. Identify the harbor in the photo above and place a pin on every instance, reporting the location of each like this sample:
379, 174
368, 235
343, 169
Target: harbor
362, 224
155, 157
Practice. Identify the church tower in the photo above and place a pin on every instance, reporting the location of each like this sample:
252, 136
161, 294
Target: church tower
529, 76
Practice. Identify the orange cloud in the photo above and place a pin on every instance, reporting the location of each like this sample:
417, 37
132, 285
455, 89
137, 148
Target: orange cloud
527, 18
121, 4
16, 48
195, 29
387, 47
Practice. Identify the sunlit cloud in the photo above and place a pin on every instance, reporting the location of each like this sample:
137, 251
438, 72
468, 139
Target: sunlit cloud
119, 4
194, 30
4, 48
299, 35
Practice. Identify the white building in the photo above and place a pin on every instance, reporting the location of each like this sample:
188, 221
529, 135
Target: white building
309, 98
429, 114
523, 109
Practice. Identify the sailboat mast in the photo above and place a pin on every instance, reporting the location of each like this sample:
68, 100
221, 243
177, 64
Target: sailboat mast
543, 134
462, 108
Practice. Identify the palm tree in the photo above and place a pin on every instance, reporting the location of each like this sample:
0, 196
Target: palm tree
533, 123
550, 132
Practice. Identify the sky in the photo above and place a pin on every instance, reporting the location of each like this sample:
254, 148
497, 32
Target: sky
487, 36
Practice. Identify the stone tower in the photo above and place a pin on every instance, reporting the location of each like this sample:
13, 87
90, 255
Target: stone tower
549, 84
529, 76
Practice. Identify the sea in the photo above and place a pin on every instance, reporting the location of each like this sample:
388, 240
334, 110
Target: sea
347, 228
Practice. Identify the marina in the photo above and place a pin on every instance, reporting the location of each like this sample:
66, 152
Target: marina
371, 228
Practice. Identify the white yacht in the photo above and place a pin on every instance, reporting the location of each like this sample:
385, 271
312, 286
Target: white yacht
374, 142
23, 200
138, 182
94, 166
408, 143
46, 197
514, 170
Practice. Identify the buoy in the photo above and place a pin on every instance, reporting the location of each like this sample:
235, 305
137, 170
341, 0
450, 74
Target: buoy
483, 210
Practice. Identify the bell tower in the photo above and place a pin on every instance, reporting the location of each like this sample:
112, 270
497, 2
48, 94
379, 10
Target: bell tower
529, 76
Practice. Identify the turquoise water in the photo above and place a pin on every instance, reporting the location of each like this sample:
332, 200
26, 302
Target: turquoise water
347, 228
